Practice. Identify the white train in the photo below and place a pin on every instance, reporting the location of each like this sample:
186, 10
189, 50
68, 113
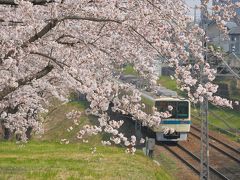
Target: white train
180, 120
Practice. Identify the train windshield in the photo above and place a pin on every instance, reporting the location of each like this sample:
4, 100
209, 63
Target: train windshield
180, 108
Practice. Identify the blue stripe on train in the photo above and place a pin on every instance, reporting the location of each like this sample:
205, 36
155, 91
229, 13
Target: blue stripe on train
175, 122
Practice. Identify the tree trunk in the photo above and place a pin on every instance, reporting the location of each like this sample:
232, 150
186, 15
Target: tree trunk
28, 133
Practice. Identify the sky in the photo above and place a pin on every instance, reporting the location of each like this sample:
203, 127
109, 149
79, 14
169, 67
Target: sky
191, 4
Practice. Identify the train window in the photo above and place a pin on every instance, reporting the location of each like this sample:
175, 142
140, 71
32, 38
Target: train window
162, 106
180, 108
174, 110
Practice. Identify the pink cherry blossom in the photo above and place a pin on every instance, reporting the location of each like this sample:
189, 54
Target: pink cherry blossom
51, 50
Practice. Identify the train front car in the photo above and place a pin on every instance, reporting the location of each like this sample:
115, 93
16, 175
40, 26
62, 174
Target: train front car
179, 121
161, 98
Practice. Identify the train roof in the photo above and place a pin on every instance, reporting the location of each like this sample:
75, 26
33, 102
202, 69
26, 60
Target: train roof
162, 98
159, 93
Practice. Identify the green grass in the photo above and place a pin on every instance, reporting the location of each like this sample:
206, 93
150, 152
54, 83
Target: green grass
224, 118
230, 129
147, 101
56, 123
49, 160
129, 70
169, 165
45, 158
168, 83
171, 84
231, 117
235, 96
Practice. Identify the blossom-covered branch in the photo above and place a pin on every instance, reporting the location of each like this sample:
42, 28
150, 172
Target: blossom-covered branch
21, 82
35, 2
89, 42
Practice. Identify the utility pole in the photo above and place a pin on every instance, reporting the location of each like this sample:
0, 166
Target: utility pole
204, 173
138, 130
195, 14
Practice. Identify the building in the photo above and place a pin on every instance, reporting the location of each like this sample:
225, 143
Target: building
234, 40
231, 43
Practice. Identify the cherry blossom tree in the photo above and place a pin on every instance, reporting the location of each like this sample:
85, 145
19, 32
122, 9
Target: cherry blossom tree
49, 48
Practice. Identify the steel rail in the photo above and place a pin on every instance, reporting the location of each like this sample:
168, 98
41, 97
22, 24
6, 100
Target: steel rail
198, 159
195, 169
219, 141
217, 148
182, 159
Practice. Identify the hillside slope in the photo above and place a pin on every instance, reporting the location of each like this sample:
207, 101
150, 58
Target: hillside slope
46, 158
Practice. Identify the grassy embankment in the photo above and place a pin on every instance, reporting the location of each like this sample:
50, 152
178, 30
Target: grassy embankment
48, 159
224, 118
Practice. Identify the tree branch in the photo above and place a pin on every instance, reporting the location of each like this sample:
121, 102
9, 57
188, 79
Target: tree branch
64, 42
53, 24
21, 82
145, 39
12, 110
91, 19
41, 33
35, 2
60, 64
38, 35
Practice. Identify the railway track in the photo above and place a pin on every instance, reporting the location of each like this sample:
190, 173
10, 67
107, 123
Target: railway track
216, 139
191, 160
219, 148
217, 144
